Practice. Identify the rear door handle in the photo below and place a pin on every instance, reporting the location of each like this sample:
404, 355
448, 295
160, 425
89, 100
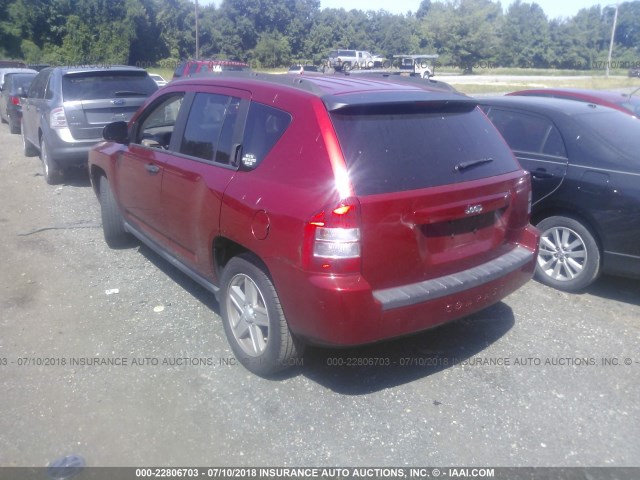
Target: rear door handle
541, 173
151, 168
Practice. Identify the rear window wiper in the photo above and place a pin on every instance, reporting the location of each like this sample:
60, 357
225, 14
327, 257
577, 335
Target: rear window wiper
472, 163
130, 93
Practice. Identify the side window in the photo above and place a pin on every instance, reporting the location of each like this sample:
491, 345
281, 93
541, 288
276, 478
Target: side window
527, 133
156, 128
225, 142
48, 94
192, 68
265, 125
209, 130
554, 145
37, 87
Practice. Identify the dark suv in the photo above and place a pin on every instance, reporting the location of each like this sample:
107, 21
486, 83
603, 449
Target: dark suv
66, 108
10, 92
331, 210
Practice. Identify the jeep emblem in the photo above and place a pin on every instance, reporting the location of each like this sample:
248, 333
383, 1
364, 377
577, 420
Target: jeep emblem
473, 209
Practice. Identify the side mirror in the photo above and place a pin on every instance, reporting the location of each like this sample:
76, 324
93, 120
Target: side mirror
116, 132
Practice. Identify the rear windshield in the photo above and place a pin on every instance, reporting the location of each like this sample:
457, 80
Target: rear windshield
20, 80
407, 147
619, 130
107, 84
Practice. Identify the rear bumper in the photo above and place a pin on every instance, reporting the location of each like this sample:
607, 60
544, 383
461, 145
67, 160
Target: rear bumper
66, 151
345, 311
429, 290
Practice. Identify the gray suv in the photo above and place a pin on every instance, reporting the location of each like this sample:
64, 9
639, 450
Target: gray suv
66, 108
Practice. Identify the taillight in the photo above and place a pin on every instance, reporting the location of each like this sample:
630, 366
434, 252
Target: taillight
332, 239
57, 118
15, 101
521, 202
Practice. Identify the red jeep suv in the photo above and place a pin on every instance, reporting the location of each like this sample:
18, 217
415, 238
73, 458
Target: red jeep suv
319, 209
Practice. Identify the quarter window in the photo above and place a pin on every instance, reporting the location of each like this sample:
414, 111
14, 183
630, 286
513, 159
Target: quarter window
265, 126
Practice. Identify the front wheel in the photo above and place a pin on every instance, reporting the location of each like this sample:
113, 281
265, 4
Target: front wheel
253, 319
569, 257
112, 222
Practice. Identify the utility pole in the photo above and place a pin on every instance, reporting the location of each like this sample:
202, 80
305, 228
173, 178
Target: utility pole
613, 34
197, 37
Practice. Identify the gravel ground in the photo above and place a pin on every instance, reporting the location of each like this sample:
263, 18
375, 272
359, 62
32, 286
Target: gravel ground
523, 383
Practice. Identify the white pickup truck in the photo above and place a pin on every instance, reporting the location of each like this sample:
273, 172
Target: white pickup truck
354, 59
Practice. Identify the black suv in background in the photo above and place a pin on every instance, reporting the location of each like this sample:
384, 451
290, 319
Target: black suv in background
14, 86
66, 108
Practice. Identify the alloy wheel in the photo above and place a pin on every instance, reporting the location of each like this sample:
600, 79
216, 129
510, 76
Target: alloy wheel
248, 315
563, 253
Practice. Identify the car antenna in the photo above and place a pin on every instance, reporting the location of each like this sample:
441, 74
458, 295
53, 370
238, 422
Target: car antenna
629, 95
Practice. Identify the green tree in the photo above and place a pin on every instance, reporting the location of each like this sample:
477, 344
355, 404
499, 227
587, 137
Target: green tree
175, 21
272, 50
525, 37
581, 40
628, 29
464, 31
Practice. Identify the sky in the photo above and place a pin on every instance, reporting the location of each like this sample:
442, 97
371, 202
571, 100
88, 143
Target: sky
552, 8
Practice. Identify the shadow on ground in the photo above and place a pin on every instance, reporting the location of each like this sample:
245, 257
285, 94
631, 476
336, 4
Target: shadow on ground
363, 370
76, 177
371, 368
620, 289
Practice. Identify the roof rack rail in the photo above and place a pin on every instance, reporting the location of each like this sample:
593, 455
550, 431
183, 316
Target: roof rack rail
295, 81
401, 77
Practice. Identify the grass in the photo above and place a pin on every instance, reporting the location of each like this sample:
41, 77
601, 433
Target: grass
165, 73
547, 72
595, 83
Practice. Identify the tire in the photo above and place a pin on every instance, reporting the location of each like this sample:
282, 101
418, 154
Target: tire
253, 319
14, 127
27, 148
52, 173
115, 234
346, 66
569, 257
